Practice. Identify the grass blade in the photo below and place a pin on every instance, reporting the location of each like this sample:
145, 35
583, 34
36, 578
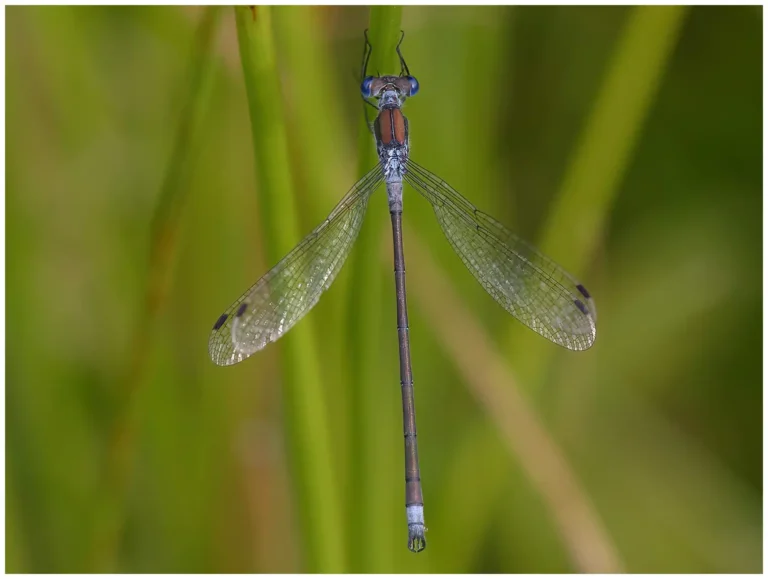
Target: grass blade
162, 251
580, 211
375, 516
306, 416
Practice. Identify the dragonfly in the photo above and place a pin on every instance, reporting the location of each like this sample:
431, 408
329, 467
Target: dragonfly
527, 284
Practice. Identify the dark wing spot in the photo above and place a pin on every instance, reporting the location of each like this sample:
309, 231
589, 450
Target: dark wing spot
583, 291
220, 321
241, 309
582, 307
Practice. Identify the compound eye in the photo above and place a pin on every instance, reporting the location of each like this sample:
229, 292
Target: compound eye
414, 85
365, 87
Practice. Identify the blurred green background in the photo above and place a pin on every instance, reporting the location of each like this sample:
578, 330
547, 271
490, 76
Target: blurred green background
625, 141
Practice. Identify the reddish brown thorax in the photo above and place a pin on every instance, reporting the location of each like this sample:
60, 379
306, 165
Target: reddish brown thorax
391, 127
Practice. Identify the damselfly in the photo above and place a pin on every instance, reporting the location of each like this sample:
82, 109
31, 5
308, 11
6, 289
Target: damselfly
530, 286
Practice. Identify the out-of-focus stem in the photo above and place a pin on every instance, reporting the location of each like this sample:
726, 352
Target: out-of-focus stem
372, 462
306, 418
120, 446
576, 224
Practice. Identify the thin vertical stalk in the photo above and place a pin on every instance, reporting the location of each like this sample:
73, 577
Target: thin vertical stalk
376, 518
162, 251
306, 419
325, 174
305, 54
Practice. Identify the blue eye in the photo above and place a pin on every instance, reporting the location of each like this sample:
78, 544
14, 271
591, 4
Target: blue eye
365, 86
414, 85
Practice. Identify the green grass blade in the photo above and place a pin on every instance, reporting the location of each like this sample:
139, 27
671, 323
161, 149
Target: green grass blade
306, 416
376, 513
322, 175
162, 251
575, 226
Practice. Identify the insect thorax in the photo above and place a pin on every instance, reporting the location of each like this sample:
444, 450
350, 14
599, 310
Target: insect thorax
391, 131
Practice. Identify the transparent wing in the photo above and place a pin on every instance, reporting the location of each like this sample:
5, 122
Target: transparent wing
526, 283
291, 288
